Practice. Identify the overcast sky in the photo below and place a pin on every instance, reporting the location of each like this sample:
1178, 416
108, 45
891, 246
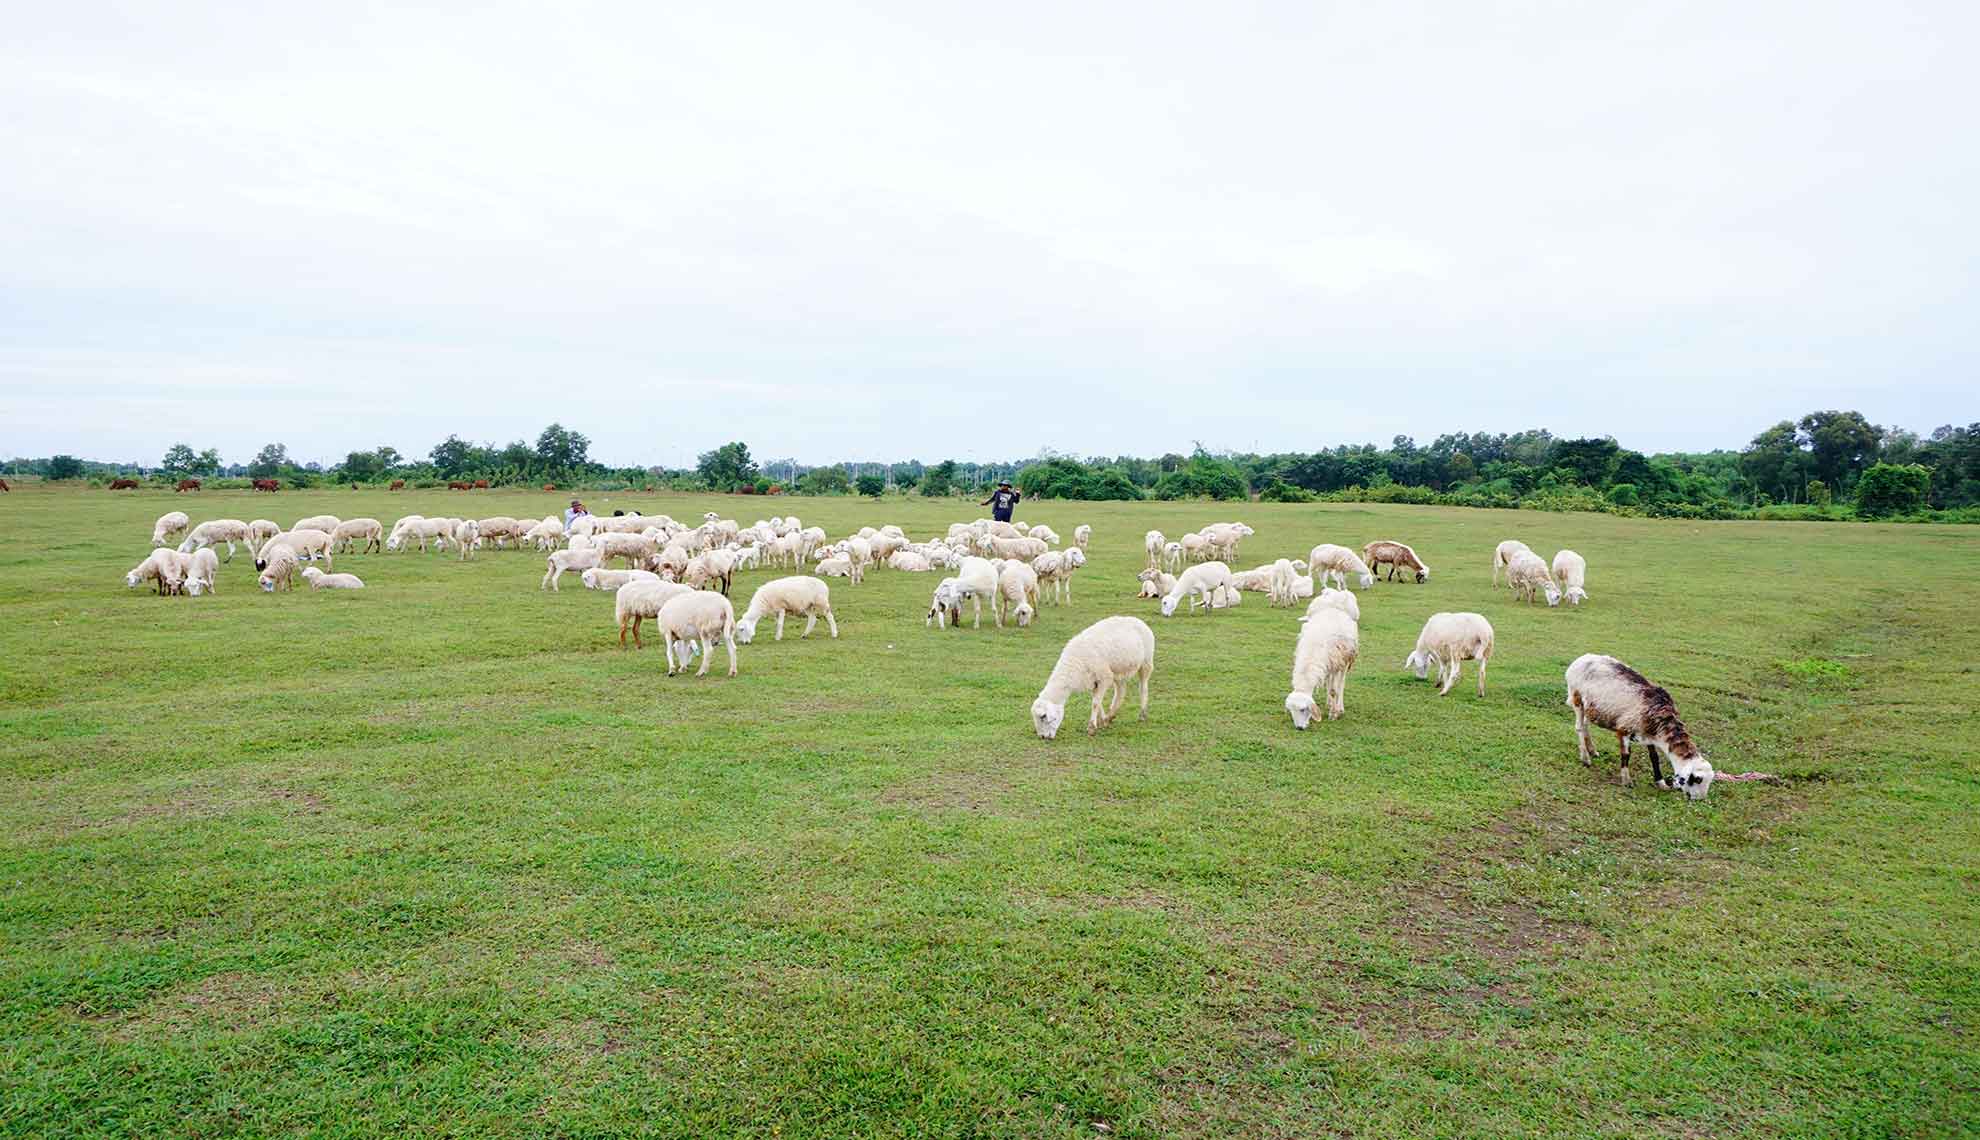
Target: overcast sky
923, 230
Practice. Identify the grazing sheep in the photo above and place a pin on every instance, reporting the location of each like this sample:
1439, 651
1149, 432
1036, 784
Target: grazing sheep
260, 531
577, 558
1502, 556
202, 571
1527, 576
1329, 642
710, 566
1396, 556
814, 540
636, 549
1196, 547
215, 531
1044, 534
1155, 583
169, 524
1017, 593
1448, 641
1083, 534
546, 536
1205, 580
1609, 694
1098, 660
1342, 600
1224, 538
975, 581
1282, 586
500, 529
161, 566
277, 563
640, 599
318, 580
1571, 574
325, 523
699, 616
1329, 562
785, 597
1155, 542
599, 578
302, 543
370, 531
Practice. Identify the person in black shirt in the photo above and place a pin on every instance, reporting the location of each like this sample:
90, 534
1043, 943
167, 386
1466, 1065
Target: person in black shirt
1001, 502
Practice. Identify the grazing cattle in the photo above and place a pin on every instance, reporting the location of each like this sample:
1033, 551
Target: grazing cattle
188, 485
457, 485
269, 485
398, 485
481, 484
4, 487
123, 484
549, 486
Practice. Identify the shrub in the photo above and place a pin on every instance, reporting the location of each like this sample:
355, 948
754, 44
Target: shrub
872, 486
1623, 494
1893, 489
1280, 491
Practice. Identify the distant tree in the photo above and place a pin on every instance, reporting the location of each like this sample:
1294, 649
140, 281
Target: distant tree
1840, 445
1818, 493
179, 461
824, 481
389, 457
65, 467
872, 485
937, 480
561, 449
1893, 489
451, 457
1774, 462
362, 466
1623, 494
208, 463
269, 461
1592, 462
727, 467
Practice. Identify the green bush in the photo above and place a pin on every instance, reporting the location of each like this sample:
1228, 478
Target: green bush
824, 481
872, 486
1893, 489
1623, 494
1203, 477
1280, 491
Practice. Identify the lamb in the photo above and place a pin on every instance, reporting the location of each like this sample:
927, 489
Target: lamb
1017, 593
1196, 547
1044, 534
797, 594
370, 531
467, 536
1396, 556
1571, 574
1329, 642
599, 578
202, 571
318, 580
1502, 555
260, 531
1609, 694
699, 616
160, 566
640, 599
1527, 575
1083, 534
1329, 562
1172, 557
213, 532
1098, 660
277, 563
747, 557
1203, 580
1342, 600
1069, 560
579, 558
975, 580
711, 566
169, 524
325, 523
1282, 589
1447, 641
1154, 542
301, 543
1155, 583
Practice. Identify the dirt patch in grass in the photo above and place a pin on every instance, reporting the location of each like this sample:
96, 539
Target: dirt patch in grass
952, 790
232, 1001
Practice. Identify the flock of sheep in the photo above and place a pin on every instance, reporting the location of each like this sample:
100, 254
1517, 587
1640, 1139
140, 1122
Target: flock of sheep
680, 577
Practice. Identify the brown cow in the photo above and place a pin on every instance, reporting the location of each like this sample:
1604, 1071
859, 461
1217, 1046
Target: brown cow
549, 486
123, 484
398, 485
457, 485
4, 487
269, 485
481, 484
188, 485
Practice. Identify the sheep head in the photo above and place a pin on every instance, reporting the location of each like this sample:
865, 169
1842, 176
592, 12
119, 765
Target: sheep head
1418, 660
1553, 594
1576, 595
1367, 581
1024, 612
1046, 717
745, 629
1693, 777
1301, 707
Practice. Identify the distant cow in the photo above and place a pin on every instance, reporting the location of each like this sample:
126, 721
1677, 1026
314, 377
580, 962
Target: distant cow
398, 485
268, 485
481, 484
549, 486
188, 485
123, 484
457, 485
3, 486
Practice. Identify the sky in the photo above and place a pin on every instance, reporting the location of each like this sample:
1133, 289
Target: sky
924, 231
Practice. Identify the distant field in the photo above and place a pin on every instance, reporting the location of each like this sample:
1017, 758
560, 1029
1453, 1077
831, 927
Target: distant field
438, 857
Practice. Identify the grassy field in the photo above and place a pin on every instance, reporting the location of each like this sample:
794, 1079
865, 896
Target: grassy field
437, 857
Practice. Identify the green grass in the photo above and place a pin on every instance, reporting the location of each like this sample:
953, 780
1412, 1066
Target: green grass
437, 857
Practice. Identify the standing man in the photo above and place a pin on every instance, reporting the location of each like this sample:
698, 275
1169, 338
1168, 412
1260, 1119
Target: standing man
1002, 501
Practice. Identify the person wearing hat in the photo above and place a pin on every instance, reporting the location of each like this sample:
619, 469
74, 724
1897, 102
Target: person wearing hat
1002, 501
573, 511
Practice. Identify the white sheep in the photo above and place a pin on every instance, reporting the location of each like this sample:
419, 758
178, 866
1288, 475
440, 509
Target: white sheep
1155, 542
547, 535
1447, 641
1044, 534
1342, 600
1528, 576
975, 581
277, 563
318, 580
1082, 535
579, 558
636, 549
325, 523
161, 566
640, 599
1205, 580
703, 617
1017, 593
837, 566
1502, 555
1329, 642
169, 524
1155, 583
202, 571
213, 532
718, 566
500, 529
260, 531
1330, 562
1283, 583
1098, 660
910, 562
1606, 693
467, 536
798, 594
1571, 574
368, 531
307, 544
599, 578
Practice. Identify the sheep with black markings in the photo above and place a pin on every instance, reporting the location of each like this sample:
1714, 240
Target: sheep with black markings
1608, 694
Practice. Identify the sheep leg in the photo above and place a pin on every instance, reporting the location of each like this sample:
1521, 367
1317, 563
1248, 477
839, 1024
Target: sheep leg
1099, 699
730, 641
1583, 743
1120, 694
780, 626
668, 636
623, 622
708, 654
810, 623
1482, 662
1657, 769
1622, 745
1146, 672
831, 623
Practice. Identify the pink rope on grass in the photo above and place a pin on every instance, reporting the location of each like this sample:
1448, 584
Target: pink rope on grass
1744, 776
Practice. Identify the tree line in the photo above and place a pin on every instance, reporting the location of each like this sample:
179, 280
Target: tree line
1825, 464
